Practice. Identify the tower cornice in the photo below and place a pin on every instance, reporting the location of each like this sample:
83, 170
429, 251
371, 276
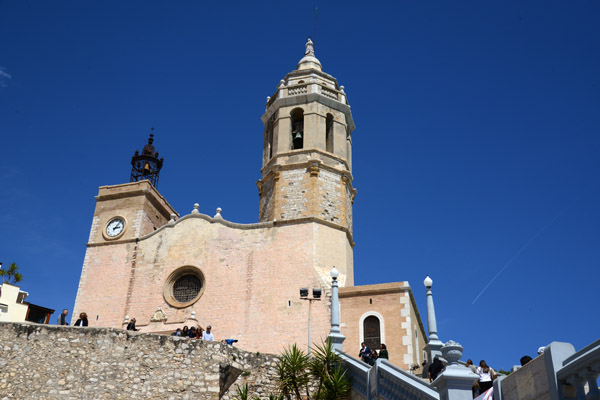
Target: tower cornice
274, 161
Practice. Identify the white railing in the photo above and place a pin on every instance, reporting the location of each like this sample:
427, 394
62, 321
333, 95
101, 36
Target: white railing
385, 381
394, 383
578, 370
359, 372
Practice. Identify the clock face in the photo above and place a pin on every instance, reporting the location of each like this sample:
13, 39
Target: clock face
115, 227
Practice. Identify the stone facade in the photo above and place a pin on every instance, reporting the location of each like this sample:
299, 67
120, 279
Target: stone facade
51, 362
263, 265
401, 329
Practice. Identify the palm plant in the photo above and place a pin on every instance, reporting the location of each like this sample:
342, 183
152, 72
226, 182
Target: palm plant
326, 368
293, 372
298, 373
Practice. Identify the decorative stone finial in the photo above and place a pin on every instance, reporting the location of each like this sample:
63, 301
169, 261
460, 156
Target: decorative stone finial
218, 214
309, 61
126, 321
452, 352
196, 207
172, 220
268, 98
342, 89
281, 84
310, 49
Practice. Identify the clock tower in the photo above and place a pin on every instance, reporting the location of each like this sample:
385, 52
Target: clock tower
123, 214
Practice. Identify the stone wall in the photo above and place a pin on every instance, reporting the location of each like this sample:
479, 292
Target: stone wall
530, 382
52, 362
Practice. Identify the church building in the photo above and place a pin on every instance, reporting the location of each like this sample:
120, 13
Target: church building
145, 260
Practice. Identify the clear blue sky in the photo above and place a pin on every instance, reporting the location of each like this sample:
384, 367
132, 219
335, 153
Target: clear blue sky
476, 148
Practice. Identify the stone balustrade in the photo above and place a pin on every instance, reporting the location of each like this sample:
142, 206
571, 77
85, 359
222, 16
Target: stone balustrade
578, 370
297, 90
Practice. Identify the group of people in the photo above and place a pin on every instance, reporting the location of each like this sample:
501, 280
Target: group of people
195, 333
369, 355
487, 375
62, 319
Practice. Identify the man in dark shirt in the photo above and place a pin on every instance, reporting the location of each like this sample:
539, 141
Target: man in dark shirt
62, 318
435, 368
365, 353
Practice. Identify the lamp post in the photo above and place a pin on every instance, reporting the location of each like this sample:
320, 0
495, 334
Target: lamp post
316, 297
335, 334
434, 345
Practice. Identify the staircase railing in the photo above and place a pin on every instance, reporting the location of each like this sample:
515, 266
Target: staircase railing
385, 381
577, 370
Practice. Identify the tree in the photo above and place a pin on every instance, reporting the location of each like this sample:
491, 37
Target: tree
11, 275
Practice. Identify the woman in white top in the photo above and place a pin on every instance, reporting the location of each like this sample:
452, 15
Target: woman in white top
486, 377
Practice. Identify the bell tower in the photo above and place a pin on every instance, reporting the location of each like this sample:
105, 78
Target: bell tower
307, 152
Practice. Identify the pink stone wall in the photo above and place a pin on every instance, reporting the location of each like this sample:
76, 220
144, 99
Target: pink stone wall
252, 280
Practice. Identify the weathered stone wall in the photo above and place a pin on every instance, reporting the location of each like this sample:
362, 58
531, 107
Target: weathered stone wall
52, 362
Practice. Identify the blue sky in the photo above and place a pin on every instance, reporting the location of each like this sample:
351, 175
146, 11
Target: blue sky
475, 153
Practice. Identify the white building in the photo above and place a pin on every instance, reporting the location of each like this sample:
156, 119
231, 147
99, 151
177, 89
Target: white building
14, 308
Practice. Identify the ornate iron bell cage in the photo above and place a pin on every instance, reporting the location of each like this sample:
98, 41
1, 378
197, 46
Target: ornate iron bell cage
146, 165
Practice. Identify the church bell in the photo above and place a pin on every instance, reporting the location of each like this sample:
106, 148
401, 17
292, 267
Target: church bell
298, 140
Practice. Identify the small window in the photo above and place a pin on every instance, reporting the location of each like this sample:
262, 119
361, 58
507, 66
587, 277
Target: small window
297, 116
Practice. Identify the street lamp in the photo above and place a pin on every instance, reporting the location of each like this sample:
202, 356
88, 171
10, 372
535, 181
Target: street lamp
316, 296
428, 282
434, 345
335, 334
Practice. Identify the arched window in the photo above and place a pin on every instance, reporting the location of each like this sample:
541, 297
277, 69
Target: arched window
372, 332
329, 133
297, 116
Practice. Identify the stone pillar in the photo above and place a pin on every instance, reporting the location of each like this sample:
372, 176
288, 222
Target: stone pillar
335, 334
339, 140
456, 381
434, 345
282, 131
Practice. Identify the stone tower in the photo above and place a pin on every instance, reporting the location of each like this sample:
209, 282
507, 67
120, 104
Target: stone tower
307, 152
